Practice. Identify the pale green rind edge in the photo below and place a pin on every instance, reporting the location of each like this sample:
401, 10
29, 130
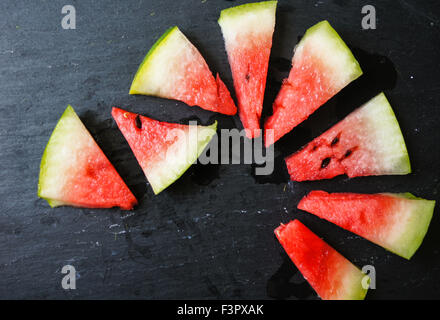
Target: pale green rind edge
412, 239
69, 112
355, 290
200, 147
150, 55
55, 203
358, 292
325, 25
406, 195
236, 12
405, 161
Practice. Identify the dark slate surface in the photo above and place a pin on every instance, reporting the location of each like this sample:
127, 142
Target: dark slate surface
210, 235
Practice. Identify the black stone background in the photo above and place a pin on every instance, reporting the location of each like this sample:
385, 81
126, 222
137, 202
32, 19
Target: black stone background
210, 235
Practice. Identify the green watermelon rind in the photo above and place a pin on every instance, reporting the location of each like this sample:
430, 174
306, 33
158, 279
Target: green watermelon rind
201, 145
69, 112
356, 291
412, 233
331, 33
412, 238
149, 57
236, 12
406, 195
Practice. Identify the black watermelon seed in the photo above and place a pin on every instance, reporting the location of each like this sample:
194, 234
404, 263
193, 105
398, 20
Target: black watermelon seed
335, 141
348, 153
325, 162
137, 122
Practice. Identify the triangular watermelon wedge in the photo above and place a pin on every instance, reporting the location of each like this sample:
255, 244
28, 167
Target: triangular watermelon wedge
247, 31
321, 66
397, 222
164, 150
367, 142
74, 170
331, 275
175, 69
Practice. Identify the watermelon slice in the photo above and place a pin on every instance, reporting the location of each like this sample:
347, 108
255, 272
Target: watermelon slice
164, 150
74, 171
367, 142
331, 275
247, 31
175, 69
321, 66
397, 222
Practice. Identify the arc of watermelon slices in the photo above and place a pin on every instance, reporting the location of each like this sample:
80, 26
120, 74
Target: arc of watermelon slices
247, 31
175, 69
321, 66
163, 150
331, 275
397, 222
367, 142
74, 171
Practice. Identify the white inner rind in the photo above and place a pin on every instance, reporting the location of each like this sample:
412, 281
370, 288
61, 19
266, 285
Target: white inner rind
344, 279
321, 42
251, 20
64, 156
384, 139
351, 287
166, 67
189, 144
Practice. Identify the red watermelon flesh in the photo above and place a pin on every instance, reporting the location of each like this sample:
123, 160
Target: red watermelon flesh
305, 89
367, 142
164, 150
74, 171
247, 31
225, 104
175, 69
321, 66
397, 222
331, 275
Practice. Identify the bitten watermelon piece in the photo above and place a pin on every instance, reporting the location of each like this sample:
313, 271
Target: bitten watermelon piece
74, 171
331, 275
175, 69
164, 150
367, 142
321, 66
397, 222
247, 31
